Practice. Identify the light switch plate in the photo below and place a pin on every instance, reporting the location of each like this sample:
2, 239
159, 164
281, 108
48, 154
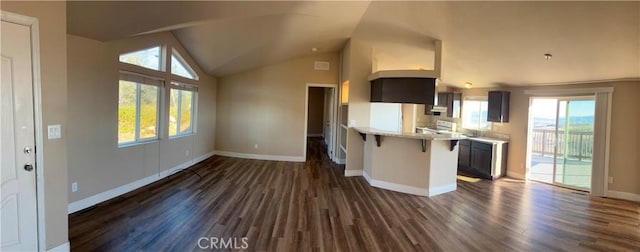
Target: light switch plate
53, 131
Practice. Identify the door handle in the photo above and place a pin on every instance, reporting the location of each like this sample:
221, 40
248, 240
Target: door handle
28, 167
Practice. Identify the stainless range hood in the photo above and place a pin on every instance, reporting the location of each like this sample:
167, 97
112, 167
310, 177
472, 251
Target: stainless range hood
438, 110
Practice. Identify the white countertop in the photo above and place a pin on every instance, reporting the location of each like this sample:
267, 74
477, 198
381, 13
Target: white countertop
428, 136
487, 140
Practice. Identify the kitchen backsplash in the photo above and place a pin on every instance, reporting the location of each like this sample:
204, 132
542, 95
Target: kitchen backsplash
430, 121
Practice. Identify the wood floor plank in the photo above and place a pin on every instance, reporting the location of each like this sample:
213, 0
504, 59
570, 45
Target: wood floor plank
311, 206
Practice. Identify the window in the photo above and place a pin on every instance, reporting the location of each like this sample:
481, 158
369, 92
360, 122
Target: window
147, 58
142, 98
180, 68
138, 99
474, 113
181, 109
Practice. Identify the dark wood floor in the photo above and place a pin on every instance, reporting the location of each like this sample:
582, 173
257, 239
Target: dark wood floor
284, 206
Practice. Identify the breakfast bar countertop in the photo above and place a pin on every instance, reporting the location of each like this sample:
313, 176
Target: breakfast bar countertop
425, 136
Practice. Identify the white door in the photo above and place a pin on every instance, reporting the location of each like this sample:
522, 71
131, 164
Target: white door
19, 219
329, 120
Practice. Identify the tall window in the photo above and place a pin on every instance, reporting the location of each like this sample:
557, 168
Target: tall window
143, 98
137, 109
180, 67
147, 58
474, 113
181, 109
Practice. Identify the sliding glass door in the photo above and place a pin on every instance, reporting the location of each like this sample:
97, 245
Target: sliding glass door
561, 141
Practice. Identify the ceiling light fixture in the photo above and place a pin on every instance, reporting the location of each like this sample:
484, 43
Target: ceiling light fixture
468, 84
547, 56
314, 49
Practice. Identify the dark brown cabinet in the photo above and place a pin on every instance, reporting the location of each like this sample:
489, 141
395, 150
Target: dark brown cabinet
498, 110
403, 90
482, 159
464, 155
481, 154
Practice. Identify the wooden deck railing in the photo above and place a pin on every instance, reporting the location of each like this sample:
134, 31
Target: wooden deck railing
580, 143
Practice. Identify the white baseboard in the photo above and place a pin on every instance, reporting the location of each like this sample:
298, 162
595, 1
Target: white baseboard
623, 195
395, 187
115, 192
366, 177
443, 189
260, 157
65, 247
352, 173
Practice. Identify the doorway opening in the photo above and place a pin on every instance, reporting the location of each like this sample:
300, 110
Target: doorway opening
321, 116
561, 140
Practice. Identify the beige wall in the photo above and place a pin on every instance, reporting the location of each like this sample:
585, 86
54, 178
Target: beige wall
359, 52
624, 164
266, 106
53, 70
95, 161
315, 114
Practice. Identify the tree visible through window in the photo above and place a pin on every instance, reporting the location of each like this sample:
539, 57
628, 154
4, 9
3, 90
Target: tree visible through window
137, 112
180, 112
180, 68
147, 58
140, 100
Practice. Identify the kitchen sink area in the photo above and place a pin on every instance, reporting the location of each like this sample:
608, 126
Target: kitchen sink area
479, 156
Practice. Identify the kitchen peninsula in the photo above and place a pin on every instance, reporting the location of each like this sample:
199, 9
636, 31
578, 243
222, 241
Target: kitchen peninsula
413, 163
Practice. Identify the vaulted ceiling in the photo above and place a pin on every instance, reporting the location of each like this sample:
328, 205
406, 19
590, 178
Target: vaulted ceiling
487, 43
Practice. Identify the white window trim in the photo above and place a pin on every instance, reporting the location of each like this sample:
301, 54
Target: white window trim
141, 79
161, 64
183, 62
478, 99
194, 101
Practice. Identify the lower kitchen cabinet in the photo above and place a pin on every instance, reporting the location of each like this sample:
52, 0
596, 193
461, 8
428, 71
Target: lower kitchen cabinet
483, 159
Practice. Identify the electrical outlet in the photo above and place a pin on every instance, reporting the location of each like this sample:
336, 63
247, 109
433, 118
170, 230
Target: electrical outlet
74, 187
255, 146
187, 153
610, 180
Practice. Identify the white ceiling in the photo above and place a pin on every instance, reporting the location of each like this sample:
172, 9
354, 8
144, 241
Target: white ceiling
487, 43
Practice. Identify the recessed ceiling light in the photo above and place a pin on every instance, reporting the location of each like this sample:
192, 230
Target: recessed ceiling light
547, 56
314, 49
468, 84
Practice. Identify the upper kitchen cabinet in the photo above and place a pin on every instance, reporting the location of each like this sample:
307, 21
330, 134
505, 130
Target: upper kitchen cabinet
403, 90
498, 110
451, 101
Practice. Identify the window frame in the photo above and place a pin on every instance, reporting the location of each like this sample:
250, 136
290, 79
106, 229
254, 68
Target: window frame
164, 79
465, 104
139, 80
176, 85
161, 58
175, 54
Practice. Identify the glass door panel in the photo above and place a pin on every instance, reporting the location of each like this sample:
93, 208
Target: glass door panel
561, 141
575, 148
543, 134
